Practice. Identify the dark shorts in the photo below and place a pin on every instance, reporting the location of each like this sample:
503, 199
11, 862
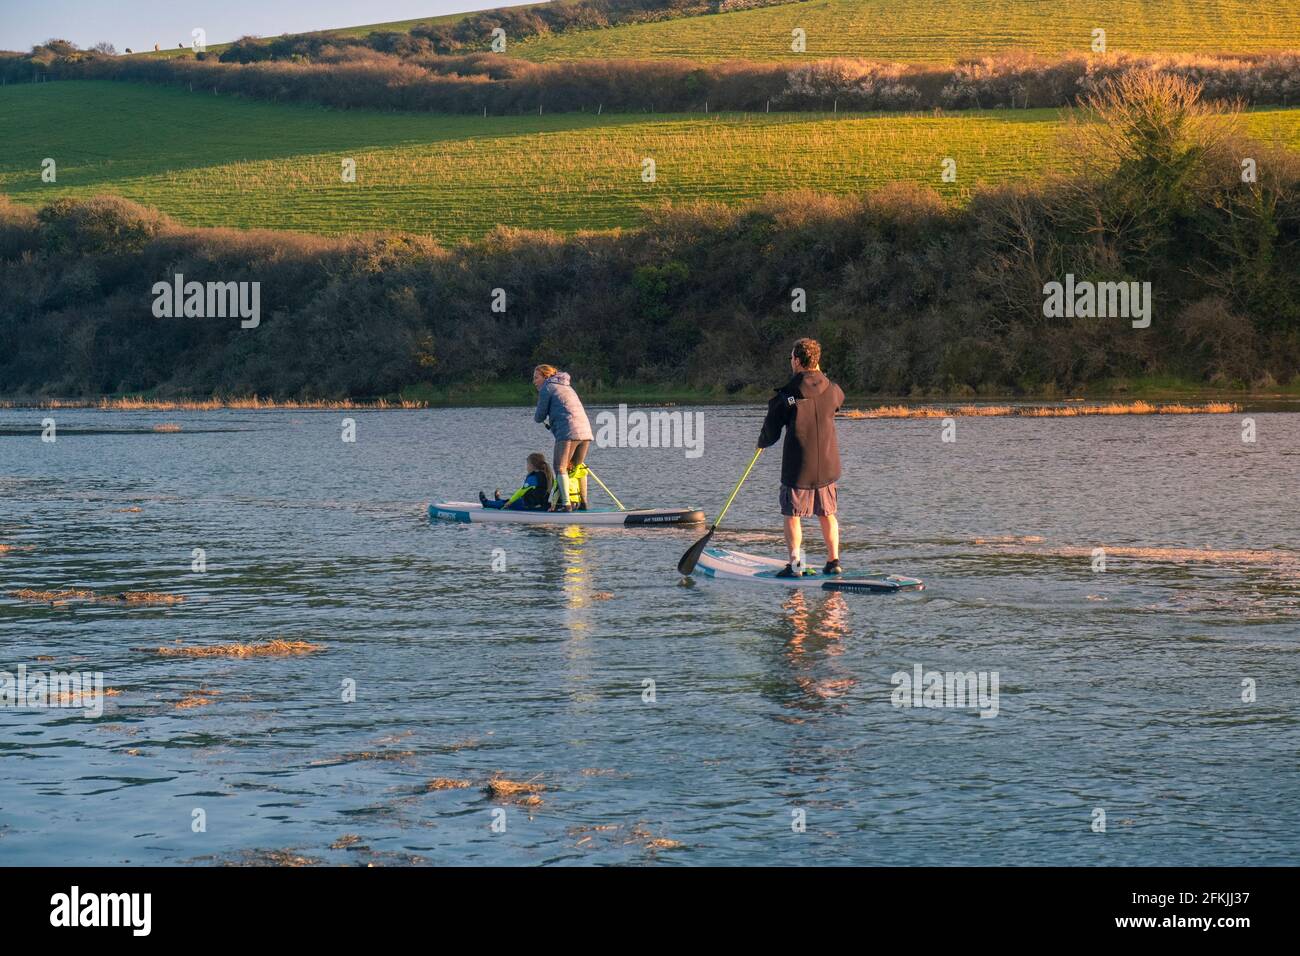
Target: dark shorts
808, 502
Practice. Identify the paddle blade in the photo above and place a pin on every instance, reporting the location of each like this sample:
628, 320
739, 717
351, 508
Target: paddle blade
687, 564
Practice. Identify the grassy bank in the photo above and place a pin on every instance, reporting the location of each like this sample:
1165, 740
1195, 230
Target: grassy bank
1127, 397
1157, 390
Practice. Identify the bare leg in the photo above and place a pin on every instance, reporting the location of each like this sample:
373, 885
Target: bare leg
560, 457
831, 534
579, 457
793, 535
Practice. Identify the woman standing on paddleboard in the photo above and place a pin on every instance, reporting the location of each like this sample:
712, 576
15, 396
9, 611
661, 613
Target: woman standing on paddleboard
557, 401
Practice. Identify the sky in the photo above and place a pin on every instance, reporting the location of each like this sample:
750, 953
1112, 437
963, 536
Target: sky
139, 24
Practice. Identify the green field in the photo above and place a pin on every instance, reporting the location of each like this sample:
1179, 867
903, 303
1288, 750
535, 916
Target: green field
222, 161
919, 31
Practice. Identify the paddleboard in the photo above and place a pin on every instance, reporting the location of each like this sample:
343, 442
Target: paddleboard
467, 512
739, 566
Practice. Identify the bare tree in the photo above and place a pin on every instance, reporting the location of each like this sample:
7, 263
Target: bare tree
1141, 147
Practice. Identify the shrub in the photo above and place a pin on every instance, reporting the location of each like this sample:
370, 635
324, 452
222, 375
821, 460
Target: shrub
101, 224
399, 71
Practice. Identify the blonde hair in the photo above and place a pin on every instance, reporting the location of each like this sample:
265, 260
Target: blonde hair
546, 370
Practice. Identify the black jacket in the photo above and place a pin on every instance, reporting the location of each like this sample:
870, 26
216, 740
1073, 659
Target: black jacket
538, 494
805, 407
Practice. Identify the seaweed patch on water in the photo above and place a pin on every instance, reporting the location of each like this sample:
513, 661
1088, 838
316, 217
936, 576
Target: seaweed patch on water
166, 428
355, 756
247, 403
272, 648
53, 597
606, 836
66, 595
384, 857
446, 783
267, 858
1277, 559
373, 755
352, 843
1043, 411
197, 698
470, 743
524, 793
150, 597
76, 698
662, 843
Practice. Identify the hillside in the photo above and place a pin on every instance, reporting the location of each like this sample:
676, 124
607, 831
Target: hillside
903, 30
908, 30
394, 26
224, 161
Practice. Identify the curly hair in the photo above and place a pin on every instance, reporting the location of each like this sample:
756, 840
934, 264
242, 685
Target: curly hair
808, 352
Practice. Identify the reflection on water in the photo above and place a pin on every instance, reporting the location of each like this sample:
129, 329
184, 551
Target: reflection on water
827, 622
817, 628
577, 582
1121, 689
576, 585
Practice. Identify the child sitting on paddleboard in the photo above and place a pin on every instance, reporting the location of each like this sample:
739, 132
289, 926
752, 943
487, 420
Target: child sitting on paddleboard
533, 495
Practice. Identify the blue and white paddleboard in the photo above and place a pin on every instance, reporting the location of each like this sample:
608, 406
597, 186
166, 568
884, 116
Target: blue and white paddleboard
466, 511
739, 566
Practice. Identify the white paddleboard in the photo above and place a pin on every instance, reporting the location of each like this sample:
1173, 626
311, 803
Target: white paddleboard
467, 511
731, 565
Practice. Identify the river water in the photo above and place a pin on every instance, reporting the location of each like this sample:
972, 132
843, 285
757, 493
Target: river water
771, 736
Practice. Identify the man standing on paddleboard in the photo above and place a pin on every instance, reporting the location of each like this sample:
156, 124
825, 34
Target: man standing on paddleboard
557, 401
805, 407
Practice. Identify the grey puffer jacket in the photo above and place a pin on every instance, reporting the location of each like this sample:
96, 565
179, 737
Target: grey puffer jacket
558, 401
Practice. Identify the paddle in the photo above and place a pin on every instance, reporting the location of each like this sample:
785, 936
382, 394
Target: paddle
607, 491
687, 564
